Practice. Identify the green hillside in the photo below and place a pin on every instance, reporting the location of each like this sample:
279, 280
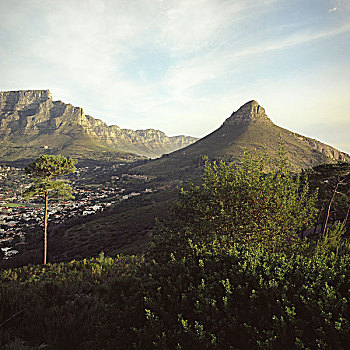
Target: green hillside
124, 228
25, 148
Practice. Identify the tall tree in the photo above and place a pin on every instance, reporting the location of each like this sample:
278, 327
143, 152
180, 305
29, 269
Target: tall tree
46, 173
333, 181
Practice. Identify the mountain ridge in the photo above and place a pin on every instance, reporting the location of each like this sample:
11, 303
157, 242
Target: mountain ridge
34, 113
31, 123
250, 112
248, 128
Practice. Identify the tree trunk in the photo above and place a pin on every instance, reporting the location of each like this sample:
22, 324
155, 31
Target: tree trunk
324, 228
45, 225
347, 216
318, 218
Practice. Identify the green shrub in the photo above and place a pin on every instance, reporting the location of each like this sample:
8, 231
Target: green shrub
248, 299
226, 273
334, 241
243, 298
258, 202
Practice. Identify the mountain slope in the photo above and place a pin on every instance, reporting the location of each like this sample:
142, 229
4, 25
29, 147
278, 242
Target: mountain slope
247, 128
31, 123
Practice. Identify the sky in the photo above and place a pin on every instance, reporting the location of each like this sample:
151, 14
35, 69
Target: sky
184, 66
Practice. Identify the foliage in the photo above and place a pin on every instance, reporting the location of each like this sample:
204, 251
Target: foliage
257, 202
334, 241
244, 298
328, 174
224, 279
249, 299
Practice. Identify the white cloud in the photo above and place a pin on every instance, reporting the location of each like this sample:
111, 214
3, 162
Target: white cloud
192, 72
193, 25
88, 42
333, 9
293, 40
85, 42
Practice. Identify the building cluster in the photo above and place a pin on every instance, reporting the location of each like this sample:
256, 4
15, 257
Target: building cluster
13, 181
18, 217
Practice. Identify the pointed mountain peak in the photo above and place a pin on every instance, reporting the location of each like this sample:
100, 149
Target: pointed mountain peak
248, 113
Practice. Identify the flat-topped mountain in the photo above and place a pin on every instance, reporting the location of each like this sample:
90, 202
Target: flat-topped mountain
31, 123
247, 128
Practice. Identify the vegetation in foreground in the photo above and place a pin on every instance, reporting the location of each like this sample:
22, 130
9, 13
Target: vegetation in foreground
255, 286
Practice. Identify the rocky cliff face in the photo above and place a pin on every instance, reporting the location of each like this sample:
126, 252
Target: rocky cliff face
34, 113
250, 112
328, 151
11, 101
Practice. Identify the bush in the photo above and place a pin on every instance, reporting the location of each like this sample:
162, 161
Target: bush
258, 202
223, 274
244, 298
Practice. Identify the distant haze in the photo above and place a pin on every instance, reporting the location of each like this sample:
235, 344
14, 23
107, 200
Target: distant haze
184, 66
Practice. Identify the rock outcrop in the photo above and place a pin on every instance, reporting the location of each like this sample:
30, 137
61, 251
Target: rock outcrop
328, 151
250, 112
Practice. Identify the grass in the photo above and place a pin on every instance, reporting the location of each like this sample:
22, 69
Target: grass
23, 149
125, 228
16, 205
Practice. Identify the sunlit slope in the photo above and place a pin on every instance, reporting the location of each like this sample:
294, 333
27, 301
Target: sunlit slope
27, 147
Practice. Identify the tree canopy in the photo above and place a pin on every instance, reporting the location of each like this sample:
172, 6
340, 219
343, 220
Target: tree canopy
45, 173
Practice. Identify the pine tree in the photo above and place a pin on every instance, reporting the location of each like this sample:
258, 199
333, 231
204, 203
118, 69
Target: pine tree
45, 173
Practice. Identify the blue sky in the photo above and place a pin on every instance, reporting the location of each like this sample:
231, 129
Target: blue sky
184, 66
